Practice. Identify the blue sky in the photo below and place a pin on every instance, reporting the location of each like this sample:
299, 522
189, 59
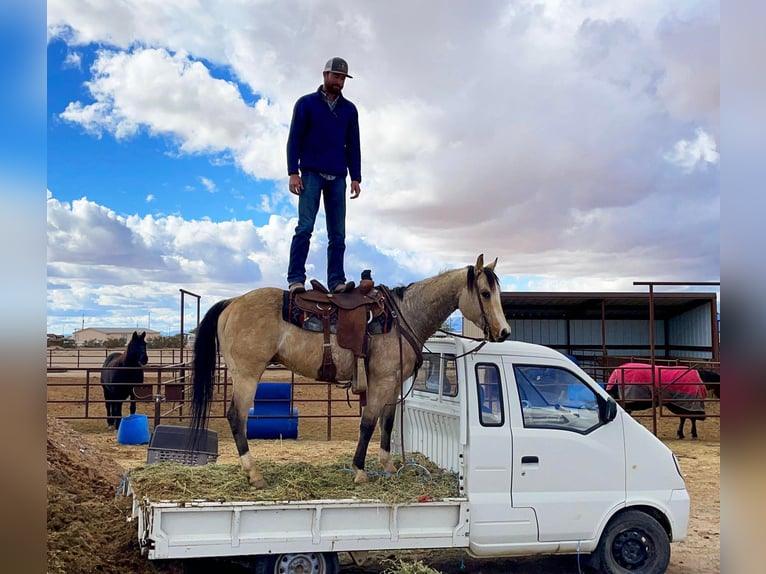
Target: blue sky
576, 142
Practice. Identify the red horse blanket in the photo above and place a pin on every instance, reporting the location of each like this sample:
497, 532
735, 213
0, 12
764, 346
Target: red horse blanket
675, 384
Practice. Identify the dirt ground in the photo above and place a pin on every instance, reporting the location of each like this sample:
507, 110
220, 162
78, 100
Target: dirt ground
85, 465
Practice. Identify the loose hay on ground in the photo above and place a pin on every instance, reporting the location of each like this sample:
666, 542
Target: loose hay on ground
420, 479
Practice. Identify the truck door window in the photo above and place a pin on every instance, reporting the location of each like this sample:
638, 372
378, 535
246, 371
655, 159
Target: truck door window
436, 368
553, 397
491, 411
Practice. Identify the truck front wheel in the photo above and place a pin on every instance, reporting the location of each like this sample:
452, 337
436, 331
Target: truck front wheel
298, 563
634, 543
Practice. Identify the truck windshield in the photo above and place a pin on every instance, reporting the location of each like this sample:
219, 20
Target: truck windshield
553, 397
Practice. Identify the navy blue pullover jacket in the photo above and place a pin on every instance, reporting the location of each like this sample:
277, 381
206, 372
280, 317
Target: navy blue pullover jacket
324, 140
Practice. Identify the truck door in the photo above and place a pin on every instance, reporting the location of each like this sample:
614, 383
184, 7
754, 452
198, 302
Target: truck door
567, 465
495, 522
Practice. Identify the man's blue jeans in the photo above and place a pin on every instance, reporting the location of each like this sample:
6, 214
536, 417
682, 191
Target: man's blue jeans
333, 193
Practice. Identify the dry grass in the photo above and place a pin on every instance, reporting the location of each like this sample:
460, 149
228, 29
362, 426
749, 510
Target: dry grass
420, 479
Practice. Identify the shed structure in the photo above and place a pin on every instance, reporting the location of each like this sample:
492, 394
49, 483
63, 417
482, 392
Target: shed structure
599, 329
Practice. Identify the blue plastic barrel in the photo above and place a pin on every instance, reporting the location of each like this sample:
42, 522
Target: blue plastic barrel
274, 417
134, 429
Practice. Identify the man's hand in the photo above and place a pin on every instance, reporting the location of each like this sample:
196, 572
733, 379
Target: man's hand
355, 189
296, 184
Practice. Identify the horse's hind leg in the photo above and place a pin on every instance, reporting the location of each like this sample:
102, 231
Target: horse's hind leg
242, 399
680, 432
117, 413
110, 421
387, 417
694, 428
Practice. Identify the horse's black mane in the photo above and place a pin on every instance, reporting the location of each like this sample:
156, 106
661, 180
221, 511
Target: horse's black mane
399, 291
492, 280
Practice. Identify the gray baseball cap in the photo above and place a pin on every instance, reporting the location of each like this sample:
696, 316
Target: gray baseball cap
337, 65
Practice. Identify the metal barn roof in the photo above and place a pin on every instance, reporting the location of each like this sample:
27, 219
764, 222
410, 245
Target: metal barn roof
551, 305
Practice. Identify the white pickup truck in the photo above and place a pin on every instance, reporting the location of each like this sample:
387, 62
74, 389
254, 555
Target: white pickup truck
547, 463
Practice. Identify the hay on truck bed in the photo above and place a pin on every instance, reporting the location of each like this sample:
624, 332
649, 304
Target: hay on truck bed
420, 480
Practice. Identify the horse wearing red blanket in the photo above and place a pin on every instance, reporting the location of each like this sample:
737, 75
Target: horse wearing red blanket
682, 390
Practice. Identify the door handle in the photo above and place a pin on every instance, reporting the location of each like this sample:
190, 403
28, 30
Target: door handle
529, 460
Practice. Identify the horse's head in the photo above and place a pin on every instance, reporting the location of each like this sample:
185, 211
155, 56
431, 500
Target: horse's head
137, 349
480, 301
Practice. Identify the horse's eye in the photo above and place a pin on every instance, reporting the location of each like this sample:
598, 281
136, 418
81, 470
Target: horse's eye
486, 294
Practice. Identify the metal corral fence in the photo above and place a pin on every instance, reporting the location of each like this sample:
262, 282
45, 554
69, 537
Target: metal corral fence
74, 390
167, 387
58, 359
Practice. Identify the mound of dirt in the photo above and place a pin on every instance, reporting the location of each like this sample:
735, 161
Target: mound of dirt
88, 529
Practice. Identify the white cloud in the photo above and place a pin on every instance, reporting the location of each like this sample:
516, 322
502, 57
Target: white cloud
150, 198
73, 60
209, 184
689, 153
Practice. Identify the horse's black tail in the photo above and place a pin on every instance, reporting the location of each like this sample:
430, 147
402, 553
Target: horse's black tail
205, 355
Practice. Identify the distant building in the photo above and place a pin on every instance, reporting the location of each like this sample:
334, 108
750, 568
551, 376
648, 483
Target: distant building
54, 340
101, 334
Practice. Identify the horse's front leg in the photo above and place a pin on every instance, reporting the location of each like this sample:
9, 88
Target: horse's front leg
694, 428
387, 417
237, 416
366, 428
680, 432
132, 401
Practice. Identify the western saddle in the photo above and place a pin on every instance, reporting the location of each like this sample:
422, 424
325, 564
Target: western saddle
355, 311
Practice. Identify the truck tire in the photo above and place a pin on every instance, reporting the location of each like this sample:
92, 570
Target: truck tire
633, 542
298, 563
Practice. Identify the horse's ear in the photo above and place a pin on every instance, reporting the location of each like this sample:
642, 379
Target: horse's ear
143, 335
479, 263
491, 266
135, 335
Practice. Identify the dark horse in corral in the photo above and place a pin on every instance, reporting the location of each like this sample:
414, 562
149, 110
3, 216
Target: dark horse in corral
118, 382
682, 389
251, 333
712, 382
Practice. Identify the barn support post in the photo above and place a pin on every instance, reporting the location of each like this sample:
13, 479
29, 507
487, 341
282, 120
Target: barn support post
653, 359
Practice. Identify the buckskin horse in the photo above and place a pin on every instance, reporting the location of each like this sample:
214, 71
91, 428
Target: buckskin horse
118, 381
251, 333
682, 389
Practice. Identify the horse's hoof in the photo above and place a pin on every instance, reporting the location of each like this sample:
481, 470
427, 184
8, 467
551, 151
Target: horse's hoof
259, 483
361, 477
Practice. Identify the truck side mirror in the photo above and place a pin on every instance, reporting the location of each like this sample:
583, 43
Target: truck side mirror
609, 411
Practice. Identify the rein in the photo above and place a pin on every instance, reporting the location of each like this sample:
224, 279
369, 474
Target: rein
407, 332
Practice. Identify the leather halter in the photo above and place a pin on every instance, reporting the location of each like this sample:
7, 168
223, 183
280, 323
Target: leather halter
484, 318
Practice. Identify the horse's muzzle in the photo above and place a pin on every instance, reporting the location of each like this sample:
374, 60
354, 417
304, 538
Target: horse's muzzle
502, 336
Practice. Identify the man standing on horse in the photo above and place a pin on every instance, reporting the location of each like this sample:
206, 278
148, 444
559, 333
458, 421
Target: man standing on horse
322, 148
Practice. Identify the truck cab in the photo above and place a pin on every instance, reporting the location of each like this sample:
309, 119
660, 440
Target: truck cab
546, 459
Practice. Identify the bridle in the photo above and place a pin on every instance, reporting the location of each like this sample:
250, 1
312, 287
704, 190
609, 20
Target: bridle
484, 319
